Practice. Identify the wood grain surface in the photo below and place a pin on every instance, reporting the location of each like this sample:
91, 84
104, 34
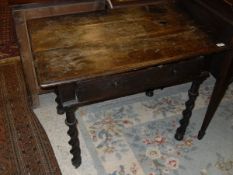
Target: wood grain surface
84, 46
126, 3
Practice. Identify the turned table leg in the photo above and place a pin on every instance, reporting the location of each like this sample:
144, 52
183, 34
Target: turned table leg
150, 93
71, 122
60, 109
68, 103
187, 113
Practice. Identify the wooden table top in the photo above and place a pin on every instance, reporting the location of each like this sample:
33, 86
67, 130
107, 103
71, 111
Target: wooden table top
126, 3
83, 46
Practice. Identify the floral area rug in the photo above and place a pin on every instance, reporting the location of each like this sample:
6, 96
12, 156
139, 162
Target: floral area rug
135, 135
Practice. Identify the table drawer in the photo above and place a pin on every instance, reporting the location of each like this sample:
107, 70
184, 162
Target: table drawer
113, 86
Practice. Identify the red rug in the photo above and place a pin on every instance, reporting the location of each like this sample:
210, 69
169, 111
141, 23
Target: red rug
24, 145
8, 50
8, 46
7, 32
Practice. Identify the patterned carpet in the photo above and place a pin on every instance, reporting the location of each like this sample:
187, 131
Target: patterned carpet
8, 50
24, 146
134, 135
8, 46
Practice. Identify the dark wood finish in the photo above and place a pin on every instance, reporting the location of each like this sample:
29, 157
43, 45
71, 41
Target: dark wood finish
113, 4
149, 93
60, 109
18, 2
187, 113
22, 13
139, 51
216, 17
34, 11
73, 95
71, 122
113, 43
223, 7
120, 52
66, 94
217, 23
26, 57
220, 88
131, 82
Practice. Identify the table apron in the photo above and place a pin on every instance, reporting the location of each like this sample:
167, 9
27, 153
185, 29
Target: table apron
114, 86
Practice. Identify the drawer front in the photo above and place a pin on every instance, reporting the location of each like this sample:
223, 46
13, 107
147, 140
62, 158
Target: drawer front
119, 85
